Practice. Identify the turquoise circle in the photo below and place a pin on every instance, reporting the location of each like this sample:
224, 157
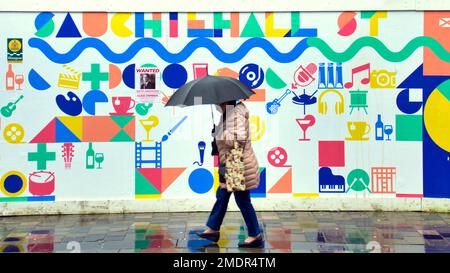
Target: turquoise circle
358, 180
201, 181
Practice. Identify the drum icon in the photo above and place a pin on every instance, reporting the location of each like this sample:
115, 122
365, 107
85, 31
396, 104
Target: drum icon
41, 183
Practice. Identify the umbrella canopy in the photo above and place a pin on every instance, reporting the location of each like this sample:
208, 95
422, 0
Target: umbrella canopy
211, 90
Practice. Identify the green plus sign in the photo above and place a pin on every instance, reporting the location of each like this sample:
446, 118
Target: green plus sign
95, 76
41, 156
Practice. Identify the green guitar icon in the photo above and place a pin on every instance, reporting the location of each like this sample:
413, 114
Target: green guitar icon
10, 107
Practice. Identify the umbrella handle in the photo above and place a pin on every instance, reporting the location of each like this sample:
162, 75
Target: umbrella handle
212, 113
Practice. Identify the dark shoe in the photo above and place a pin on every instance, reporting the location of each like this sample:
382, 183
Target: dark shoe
257, 243
212, 236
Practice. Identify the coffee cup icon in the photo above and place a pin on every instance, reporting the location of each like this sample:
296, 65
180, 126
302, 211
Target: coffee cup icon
357, 130
122, 105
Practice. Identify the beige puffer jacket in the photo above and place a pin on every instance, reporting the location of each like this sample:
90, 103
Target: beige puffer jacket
225, 138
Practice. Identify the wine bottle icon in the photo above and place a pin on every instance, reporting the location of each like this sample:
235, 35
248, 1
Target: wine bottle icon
90, 154
379, 129
10, 78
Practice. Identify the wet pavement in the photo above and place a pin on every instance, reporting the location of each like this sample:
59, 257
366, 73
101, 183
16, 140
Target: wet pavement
297, 232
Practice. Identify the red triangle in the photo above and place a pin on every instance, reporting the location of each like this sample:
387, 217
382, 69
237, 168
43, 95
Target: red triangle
46, 135
284, 185
153, 176
169, 175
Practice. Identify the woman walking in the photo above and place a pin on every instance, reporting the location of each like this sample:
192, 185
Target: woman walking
234, 126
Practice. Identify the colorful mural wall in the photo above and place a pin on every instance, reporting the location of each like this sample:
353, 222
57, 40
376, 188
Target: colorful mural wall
347, 104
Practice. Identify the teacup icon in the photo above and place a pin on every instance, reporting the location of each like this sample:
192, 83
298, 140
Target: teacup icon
357, 130
122, 105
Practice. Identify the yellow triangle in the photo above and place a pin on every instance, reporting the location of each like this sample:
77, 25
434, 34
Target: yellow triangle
74, 124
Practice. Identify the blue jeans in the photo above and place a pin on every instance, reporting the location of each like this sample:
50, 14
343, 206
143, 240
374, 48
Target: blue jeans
245, 205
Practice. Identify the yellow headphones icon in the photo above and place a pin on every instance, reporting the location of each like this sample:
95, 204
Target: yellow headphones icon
338, 107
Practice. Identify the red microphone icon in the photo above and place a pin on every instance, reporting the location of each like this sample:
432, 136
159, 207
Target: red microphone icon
304, 76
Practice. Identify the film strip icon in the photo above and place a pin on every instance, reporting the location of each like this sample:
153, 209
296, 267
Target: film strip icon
157, 149
69, 80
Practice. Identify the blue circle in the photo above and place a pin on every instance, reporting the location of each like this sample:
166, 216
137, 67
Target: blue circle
174, 75
42, 19
91, 98
11, 249
251, 75
13, 183
201, 180
128, 76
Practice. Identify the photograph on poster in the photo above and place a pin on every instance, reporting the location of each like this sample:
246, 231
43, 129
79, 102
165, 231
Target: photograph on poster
147, 82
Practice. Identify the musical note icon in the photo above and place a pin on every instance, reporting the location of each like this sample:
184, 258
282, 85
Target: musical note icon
356, 70
201, 150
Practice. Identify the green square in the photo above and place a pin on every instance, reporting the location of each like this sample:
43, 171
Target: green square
141, 244
408, 127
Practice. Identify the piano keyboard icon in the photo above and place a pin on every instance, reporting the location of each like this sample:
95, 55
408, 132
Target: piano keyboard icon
332, 188
69, 80
328, 182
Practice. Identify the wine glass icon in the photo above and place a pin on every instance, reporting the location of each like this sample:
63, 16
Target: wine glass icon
304, 124
148, 124
99, 157
19, 79
388, 131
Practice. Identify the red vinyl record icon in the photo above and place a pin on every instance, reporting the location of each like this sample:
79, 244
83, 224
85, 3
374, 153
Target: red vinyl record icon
277, 157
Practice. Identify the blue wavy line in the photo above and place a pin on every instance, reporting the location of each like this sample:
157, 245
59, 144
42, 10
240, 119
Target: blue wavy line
164, 54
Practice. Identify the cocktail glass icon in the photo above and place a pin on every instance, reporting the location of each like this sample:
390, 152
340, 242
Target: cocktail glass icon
148, 124
304, 124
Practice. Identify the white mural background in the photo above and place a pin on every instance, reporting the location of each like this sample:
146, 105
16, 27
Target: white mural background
116, 179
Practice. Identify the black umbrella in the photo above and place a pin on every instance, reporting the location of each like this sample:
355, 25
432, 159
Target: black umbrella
211, 90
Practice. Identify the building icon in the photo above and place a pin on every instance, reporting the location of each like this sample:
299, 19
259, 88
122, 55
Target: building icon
383, 179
